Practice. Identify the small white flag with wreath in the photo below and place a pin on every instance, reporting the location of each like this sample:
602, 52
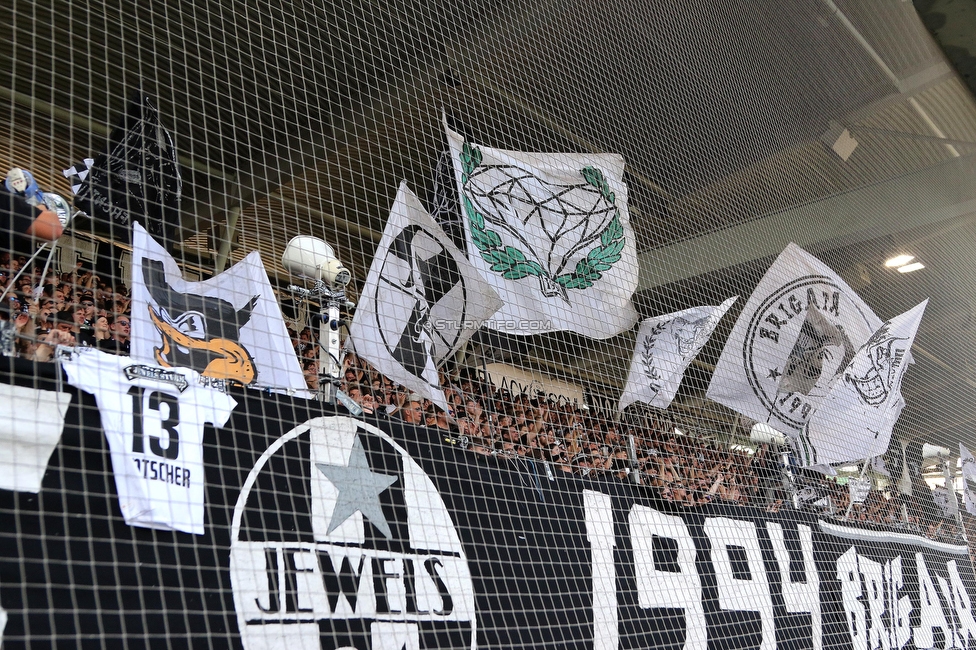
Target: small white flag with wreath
665, 347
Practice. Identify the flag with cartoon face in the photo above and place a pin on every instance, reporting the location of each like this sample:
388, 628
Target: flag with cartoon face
421, 302
227, 328
666, 346
855, 421
794, 337
551, 233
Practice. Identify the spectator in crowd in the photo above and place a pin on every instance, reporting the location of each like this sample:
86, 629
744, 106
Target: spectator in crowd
412, 412
83, 332
22, 324
86, 302
310, 370
473, 423
44, 349
64, 324
44, 314
119, 341
101, 330
442, 422
364, 397
56, 294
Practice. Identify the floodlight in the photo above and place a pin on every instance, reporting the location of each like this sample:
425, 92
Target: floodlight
764, 434
312, 258
899, 260
908, 268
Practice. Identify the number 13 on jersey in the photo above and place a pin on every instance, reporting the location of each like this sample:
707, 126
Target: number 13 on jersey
154, 420
168, 409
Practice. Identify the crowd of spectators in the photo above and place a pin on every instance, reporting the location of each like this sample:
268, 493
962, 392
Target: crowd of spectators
687, 470
78, 308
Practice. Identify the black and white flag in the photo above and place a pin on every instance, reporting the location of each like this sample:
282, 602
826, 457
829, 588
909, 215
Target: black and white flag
444, 203
859, 489
879, 465
422, 300
911, 468
968, 478
229, 328
816, 499
946, 501
665, 347
137, 178
551, 233
77, 173
855, 421
796, 334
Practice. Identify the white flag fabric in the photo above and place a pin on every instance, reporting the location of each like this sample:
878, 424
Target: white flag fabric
797, 332
227, 328
859, 489
968, 479
665, 346
28, 434
878, 466
946, 501
421, 302
551, 233
856, 419
968, 463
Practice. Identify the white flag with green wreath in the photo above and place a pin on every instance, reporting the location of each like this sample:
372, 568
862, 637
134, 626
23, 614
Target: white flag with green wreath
551, 234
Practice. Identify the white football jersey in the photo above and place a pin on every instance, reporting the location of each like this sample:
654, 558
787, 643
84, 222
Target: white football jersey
153, 418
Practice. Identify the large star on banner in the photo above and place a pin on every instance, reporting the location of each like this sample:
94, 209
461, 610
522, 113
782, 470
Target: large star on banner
359, 489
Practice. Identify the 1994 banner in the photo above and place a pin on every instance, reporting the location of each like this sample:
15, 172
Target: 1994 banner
323, 531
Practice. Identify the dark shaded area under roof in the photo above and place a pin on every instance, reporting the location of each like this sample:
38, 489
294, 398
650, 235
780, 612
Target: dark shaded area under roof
307, 116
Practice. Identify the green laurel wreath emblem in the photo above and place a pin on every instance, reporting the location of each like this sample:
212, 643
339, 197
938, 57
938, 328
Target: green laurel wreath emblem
512, 264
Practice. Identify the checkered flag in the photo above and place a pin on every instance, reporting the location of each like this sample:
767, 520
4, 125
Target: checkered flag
77, 173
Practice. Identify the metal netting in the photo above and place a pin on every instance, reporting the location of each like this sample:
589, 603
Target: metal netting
515, 189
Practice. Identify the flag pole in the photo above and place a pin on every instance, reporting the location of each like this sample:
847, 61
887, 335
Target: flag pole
850, 505
20, 272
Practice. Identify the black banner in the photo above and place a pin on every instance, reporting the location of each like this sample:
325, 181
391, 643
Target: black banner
136, 178
330, 532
